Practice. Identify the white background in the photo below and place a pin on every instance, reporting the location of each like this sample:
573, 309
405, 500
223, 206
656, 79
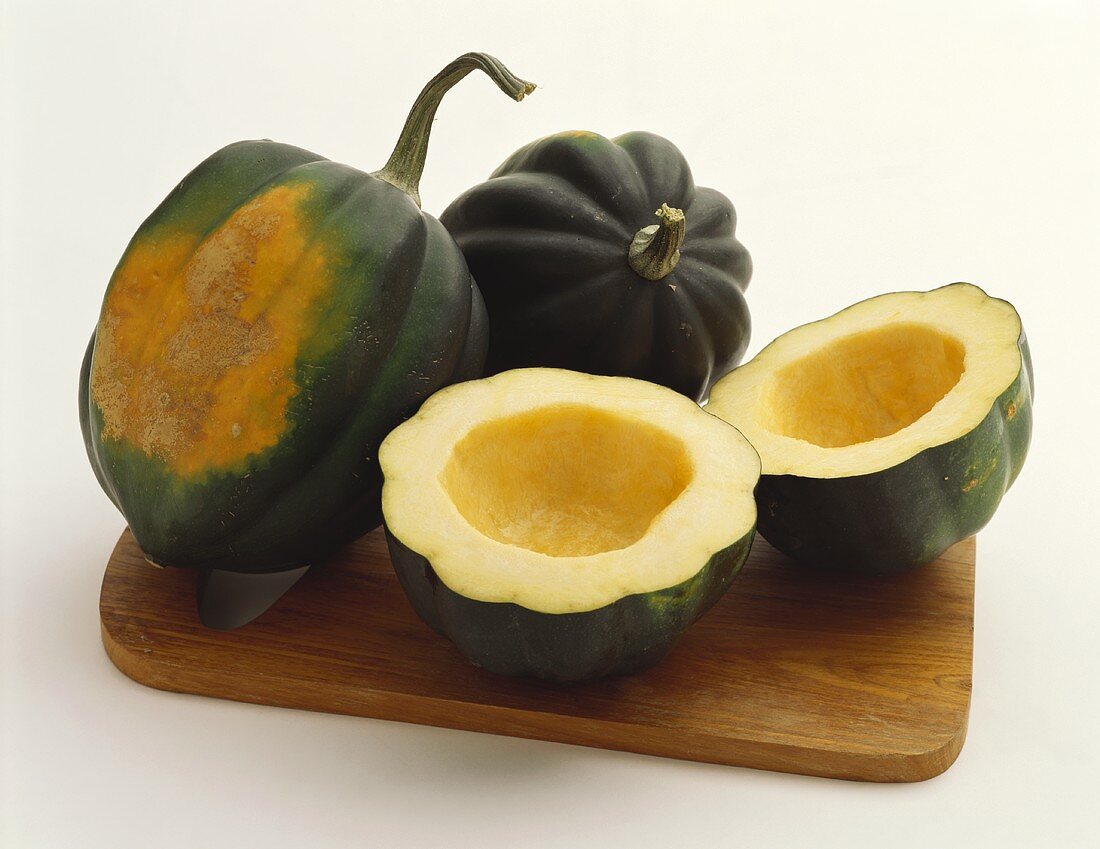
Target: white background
867, 146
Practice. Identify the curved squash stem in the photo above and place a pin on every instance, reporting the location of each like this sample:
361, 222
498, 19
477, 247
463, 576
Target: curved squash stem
655, 249
406, 163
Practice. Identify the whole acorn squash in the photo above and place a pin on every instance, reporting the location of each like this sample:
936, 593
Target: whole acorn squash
268, 325
578, 274
889, 431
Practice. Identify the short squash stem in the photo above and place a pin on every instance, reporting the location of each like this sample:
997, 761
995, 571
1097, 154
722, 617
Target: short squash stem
406, 163
655, 249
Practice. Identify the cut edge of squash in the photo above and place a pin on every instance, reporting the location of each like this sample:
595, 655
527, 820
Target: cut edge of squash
875, 384
564, 492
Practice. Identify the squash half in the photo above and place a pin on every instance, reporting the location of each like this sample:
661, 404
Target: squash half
889, 431
564, 525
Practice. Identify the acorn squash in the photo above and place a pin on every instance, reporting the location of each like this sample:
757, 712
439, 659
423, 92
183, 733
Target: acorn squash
602, 255
272, 320
889, 431
563, 525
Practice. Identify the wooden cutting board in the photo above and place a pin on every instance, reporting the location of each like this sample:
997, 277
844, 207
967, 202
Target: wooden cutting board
846, 677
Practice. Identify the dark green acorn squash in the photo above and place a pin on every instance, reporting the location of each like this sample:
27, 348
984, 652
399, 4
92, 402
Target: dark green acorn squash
578, 274
889, 431
272, 320
563, 525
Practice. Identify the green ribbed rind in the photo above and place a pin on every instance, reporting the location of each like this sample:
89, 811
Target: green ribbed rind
907, 515
547, 238
633, 633
409, 321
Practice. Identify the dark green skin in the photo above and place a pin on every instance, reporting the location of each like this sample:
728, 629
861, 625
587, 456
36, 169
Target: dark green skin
411, 321
907, 515
546, 238
631, 634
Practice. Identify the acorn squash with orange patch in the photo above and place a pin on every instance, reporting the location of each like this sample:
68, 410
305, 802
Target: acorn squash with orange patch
267, 326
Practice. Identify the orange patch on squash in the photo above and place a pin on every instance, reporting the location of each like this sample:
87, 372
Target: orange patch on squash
196, 347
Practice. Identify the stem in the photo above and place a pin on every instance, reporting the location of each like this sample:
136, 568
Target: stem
406, 163
656, 248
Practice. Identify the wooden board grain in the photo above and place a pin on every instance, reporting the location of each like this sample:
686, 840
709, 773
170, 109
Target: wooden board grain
846, 677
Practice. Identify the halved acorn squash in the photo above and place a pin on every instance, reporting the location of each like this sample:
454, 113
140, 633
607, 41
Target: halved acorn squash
889, 431
564, 525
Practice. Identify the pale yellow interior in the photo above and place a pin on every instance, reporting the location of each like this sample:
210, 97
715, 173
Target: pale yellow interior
864, 386
566, 480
